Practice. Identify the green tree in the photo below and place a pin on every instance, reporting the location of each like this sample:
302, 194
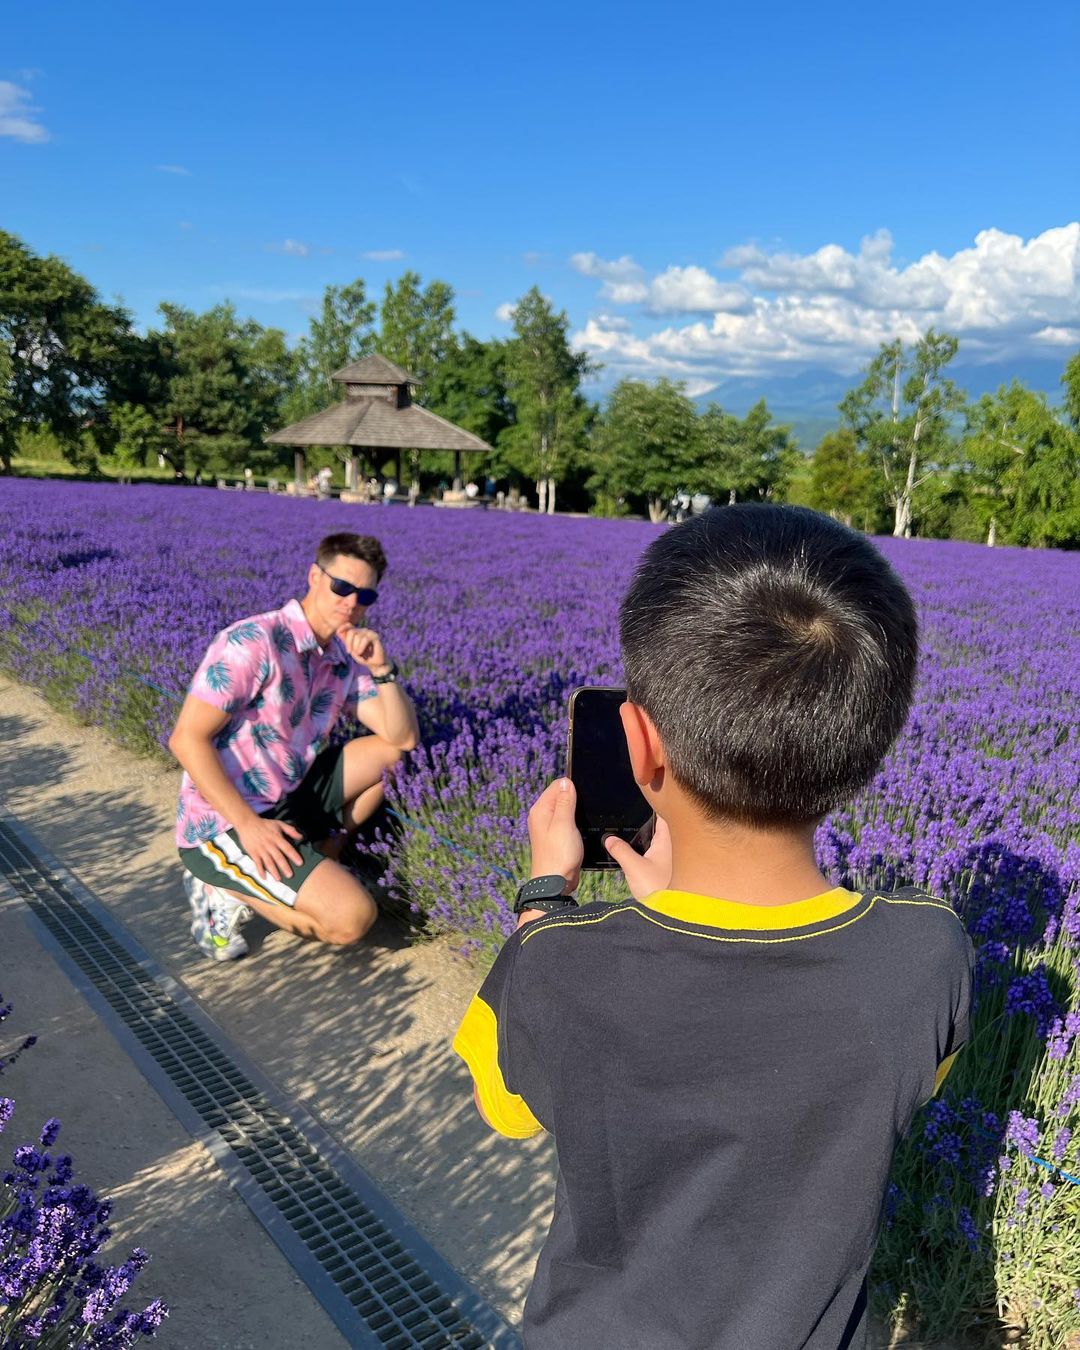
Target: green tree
544, 377
749, 457
645, 446
342, 332
901, 414
417, 327
844, 481
137, 435
1071, 381
230, 378
469, 388
1024, 469
59, 348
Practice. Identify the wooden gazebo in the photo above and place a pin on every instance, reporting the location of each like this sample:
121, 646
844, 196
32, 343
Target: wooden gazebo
377, 413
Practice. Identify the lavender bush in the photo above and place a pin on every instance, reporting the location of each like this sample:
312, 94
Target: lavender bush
53, 1294
494, 618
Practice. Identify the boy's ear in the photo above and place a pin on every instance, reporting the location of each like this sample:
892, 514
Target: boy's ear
643, 742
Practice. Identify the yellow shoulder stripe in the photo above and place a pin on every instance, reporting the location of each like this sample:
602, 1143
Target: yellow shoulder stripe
943, 1071
477, 1042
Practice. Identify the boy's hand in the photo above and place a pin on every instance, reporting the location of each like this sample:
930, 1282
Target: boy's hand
647, 872
556, 844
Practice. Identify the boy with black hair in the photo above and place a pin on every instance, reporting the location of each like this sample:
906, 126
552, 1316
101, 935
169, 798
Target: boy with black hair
728, 1059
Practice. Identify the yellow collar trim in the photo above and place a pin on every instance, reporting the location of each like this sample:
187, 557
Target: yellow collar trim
713, 913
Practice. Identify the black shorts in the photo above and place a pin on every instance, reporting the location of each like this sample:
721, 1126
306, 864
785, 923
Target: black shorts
313, 807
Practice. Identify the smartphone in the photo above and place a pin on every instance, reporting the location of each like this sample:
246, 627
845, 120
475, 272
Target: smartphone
598, 764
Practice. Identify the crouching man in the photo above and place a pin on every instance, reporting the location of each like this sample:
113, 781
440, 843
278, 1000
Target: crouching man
264, 798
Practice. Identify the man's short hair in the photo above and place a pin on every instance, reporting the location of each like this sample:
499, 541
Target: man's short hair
365, 547
774, 650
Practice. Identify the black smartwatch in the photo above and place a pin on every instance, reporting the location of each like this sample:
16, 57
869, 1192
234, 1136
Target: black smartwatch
389, 677
544, 893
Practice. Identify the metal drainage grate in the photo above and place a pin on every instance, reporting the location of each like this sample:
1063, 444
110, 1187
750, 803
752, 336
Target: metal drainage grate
377, 1278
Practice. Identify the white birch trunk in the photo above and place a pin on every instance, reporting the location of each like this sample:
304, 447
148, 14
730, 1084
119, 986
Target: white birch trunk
551, 496
541, 495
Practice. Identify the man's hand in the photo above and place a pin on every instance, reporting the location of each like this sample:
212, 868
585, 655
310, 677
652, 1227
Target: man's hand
647, 872
364, 645
266, 842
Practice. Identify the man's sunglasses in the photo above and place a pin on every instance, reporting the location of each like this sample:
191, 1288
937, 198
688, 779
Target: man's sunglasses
364, 594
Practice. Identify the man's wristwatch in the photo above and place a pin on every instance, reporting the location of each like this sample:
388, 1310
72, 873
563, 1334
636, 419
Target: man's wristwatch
544, 893
389, 676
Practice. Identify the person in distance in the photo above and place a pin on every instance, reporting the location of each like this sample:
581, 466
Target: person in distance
728, 1059
264, 797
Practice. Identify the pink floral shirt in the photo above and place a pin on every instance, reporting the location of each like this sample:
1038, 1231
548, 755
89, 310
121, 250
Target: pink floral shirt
284, 694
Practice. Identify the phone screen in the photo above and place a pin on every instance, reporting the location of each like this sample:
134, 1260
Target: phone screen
598, 764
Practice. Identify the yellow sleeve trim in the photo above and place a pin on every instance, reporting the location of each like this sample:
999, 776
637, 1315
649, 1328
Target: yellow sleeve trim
477, 1042
943, 1072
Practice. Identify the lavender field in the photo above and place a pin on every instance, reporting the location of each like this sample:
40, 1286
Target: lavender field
493, 619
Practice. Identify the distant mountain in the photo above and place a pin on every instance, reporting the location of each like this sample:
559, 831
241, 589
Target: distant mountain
806, 401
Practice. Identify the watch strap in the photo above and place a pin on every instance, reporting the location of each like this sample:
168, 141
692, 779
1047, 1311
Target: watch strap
389, 677
550, 906
546, 893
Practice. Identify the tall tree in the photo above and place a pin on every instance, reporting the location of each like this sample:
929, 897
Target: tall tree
1071, 381
645, 445
1024, 469
901, 412
469, 387
844, 481
417, 326
59, 348
749, 457
342, 332
544, 377
230, 378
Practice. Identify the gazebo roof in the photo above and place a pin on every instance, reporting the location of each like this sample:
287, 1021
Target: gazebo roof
374, 423
374, 369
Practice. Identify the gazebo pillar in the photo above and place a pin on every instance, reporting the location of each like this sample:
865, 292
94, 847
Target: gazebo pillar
457, 470
299, 468
354, 470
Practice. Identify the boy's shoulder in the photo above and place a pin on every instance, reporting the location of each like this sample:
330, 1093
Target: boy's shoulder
913, 906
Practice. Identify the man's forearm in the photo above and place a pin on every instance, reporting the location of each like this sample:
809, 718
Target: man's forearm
206, 771
400, 726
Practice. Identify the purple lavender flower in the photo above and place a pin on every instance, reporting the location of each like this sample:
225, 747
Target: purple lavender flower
49, 1132
1022, 1132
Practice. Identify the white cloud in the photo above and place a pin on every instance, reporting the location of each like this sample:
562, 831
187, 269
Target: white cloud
622, 277
505, 312
833, 307
384, 254
295, 248
173, 168
678, 290
18, 115
692, 290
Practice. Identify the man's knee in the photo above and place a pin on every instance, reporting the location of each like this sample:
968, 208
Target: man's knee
348, 925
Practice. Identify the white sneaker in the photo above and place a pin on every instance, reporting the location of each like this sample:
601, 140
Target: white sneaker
216, 916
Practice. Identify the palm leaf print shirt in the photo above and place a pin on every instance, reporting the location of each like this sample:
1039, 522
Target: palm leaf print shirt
284, 694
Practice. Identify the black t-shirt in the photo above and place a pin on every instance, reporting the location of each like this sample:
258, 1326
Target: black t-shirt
726, 1084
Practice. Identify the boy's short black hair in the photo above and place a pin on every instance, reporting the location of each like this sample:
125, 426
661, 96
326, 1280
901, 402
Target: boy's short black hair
364, 547
774, 650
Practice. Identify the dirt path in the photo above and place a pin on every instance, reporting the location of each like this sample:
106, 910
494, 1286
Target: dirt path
361, 1037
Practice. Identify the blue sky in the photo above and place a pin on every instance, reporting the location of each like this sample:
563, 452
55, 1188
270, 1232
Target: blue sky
707, 191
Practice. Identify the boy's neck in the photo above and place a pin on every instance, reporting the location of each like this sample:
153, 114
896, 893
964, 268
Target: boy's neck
746, 865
